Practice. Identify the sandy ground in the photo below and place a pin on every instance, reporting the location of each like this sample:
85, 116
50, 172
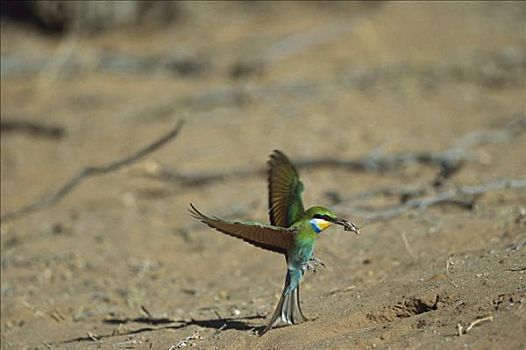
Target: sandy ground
119, 264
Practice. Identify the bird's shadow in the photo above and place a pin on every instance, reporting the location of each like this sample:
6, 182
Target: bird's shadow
156, 324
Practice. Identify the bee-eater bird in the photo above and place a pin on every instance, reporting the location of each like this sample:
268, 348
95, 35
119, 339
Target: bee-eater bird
292, 232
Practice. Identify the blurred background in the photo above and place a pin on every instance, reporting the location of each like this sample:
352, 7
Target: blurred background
88, 83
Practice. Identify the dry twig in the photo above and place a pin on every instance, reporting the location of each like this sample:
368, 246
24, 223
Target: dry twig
455, 196
188, 341
32, 127
92, 171
303, 41
448, 162
371, 163
223, 326
92, 336
462, 331
403, 192
407, 246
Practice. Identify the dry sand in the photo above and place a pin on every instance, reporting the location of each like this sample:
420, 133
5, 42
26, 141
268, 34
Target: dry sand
119, 263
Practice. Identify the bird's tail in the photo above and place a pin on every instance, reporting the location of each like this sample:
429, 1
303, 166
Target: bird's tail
288, 310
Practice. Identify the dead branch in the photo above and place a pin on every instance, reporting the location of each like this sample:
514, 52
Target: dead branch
304, 41
32, 128
455, 196
479, 321
371, 163
148, 319
68, 62
448, 162
407, 246
462, 331
479, 137
92, 171
403, 192
188, 341
516, 246
518, 269
495, 69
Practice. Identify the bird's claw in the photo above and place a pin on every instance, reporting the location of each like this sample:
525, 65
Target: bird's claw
312, 264
315, 261
308, 266
312, 268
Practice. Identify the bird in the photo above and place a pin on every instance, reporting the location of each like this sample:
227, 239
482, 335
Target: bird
292, 232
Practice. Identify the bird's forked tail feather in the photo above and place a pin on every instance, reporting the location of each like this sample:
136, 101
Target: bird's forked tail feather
288, 311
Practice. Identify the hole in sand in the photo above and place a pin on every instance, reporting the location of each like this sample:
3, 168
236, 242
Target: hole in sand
403, 309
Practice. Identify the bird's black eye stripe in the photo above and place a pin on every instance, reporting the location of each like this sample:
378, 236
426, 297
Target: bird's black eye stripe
323, 217
327, 218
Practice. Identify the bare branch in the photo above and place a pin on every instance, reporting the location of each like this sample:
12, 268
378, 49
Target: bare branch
478, 321
302, 41
91, 171
462, 331
475, 138
455, 196
403, 192
408, 246
448, 162
188, 341
33, 128
371, 163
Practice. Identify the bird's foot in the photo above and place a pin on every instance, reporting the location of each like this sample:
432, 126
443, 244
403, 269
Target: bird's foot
308, 267
312, 264
315, 261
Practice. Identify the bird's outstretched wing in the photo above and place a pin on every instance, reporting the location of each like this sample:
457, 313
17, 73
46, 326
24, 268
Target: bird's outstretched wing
284, 191
276, 239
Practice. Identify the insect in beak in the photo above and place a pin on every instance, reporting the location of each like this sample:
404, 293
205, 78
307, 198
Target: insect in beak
347, 225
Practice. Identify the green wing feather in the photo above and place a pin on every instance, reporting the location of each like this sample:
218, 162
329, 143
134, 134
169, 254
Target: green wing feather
276, 239
285, 189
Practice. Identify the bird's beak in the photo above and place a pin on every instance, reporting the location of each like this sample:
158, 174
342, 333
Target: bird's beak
347, 225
